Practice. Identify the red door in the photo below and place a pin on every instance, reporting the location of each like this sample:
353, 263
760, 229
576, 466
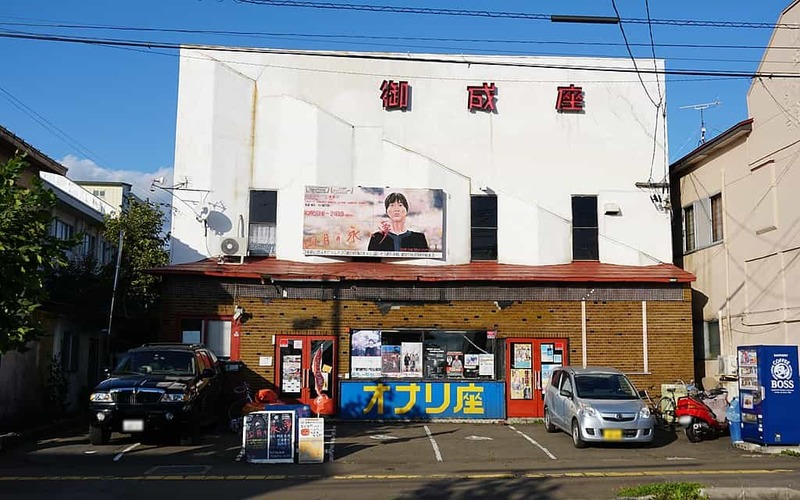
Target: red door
529, 363
306, 368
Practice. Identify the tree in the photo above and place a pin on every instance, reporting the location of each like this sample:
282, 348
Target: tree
144, 247
28, 253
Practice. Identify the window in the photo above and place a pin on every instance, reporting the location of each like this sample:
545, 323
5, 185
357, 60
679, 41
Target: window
711, 339
62, 230
584, 228
422, 354
89, 245
263, 217
483, 213
100, 193
688, 228
70, 343
215, 334
716, 218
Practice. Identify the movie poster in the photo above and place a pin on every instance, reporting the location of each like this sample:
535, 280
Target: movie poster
455, 364
365, 348
291, 373
521, 387
378, 222
390, 360
280, 447
522, 355
411, 355
434, 361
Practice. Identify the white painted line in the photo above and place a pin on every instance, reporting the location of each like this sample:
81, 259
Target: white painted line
333, 444
533, 441
478, 438
681, 458
433, 443
129, 448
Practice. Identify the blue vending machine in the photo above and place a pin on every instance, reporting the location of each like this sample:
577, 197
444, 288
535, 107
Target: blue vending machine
769, 394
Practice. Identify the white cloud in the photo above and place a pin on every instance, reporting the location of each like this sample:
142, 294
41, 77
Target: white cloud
87, 170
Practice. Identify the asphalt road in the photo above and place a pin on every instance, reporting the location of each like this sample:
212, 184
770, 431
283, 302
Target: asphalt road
372, 460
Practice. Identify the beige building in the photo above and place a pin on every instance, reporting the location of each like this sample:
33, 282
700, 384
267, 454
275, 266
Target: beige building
736, 221
112, 192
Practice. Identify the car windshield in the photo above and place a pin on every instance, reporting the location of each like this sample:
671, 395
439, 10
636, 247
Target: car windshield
604, 386
157, 362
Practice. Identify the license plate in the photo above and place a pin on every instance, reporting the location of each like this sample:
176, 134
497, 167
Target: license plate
133, 425
612, 434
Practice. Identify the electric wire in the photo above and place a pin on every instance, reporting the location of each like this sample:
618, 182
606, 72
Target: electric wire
397, 57
506, 15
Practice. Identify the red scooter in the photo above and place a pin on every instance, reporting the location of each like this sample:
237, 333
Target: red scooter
702, 415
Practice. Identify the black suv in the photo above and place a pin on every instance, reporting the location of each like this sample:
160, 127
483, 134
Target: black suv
158, 387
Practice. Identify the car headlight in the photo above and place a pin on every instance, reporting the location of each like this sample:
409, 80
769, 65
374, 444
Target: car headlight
100, 397
587, 410
174, 397
644, 412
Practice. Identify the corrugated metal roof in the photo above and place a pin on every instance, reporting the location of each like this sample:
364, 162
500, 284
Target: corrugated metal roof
283, 270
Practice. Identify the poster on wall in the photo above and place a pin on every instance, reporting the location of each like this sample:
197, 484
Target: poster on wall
455, 364
547, 353
471, 365
365, 350
521, 383
390, 360
411, 355
486, 365
522, 355
434, 361
291, 373
376, 222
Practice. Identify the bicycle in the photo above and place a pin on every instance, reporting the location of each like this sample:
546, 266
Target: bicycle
663, 410
245, 397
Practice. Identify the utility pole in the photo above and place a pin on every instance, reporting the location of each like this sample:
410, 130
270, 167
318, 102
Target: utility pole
701, 108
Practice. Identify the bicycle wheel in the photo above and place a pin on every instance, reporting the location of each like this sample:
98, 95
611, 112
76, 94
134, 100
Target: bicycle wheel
666, 412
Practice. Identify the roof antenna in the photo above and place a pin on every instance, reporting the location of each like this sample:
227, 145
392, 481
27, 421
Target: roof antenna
701, 108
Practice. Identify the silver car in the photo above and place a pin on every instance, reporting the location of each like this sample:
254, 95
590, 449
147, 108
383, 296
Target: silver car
596, 405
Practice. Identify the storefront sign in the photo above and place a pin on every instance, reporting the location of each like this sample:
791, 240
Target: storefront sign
482, 97
395, 95
409, 400
311, 440
570, 99
374, 222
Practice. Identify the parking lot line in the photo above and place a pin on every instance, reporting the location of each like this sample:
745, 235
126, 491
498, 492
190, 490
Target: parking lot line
534, 442
433, 443
129, 448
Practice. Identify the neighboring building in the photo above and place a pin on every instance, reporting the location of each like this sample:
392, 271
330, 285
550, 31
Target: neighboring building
536, 250
736, 216
112, 192
24, 376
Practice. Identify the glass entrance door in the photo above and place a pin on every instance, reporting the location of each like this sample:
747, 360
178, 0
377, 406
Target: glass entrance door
306, 368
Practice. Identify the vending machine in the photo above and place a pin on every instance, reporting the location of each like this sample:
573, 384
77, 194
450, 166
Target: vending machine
769, 394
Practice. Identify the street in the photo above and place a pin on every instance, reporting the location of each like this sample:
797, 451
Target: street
376, 460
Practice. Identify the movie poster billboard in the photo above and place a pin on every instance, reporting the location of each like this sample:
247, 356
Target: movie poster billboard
365, 349
374, 222
411, 354
390, 358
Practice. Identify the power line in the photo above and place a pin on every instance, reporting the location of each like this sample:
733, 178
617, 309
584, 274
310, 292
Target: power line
267, 34
399, 57
633, 60
506, 15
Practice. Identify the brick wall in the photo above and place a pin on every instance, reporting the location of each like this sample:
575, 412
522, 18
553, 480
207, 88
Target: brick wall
614, 328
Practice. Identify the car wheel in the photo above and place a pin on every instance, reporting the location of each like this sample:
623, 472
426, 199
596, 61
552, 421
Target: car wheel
548, 424
99, 435
577, 440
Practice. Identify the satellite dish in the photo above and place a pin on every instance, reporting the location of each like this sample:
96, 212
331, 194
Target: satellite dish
230, 246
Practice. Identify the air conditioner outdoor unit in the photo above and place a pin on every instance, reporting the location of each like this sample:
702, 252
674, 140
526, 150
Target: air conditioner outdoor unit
728, 365
233, 246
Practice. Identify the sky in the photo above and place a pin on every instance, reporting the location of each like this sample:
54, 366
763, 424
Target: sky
108, 113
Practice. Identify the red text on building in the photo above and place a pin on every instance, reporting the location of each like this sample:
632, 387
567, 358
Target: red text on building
394, 95
570, 99
481, 97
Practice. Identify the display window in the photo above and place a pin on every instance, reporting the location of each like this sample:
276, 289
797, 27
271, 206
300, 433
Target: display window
428, 354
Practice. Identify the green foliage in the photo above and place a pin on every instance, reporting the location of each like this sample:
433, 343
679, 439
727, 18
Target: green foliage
144, 247
28, 253
664, 491
81, 289
790, 453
